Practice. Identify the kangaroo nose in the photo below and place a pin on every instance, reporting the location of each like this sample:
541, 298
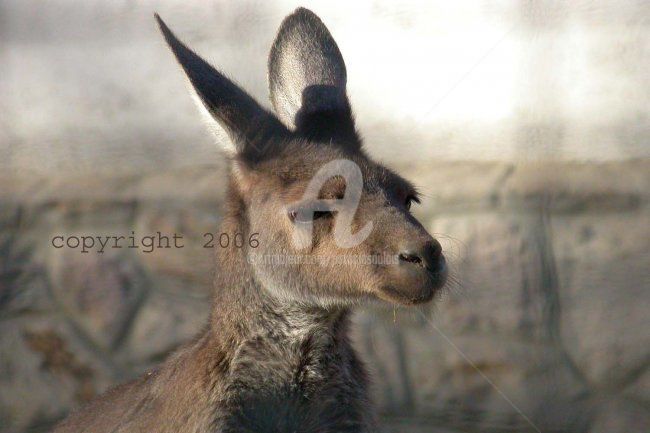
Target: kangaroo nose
428, 255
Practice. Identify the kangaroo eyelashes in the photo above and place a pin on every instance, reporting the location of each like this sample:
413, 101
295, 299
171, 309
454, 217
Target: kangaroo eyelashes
410, 200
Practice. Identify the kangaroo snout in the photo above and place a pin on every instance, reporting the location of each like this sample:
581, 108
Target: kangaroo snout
420, 271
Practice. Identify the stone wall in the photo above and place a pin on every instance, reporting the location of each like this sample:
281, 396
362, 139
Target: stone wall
544, 326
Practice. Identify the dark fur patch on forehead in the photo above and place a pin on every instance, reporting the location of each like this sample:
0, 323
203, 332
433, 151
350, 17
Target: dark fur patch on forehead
379, 177
298, 160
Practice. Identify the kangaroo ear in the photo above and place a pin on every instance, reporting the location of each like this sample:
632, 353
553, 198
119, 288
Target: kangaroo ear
225, 105
307, 78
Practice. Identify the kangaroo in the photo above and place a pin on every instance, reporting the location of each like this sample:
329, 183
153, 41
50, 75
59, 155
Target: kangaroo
275, 355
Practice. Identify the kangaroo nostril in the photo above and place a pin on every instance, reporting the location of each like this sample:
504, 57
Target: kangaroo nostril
410, 257
427, 255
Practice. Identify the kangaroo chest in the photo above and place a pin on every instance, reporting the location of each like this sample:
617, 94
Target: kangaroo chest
305, 383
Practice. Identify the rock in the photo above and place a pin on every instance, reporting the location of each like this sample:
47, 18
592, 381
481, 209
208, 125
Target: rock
46, 372
412, 426
497, 283
23, 280
578, 187
187, 266
462, 186
24, 292
620, 416
163, 323
381, 343
99, 292
604, 272
468, 380
474, 381
549, 295
639, 386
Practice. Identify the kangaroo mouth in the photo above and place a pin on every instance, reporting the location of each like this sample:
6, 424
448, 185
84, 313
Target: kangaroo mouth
394, 295
414, 288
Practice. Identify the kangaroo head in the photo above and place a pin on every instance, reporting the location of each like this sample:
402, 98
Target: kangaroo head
333, 225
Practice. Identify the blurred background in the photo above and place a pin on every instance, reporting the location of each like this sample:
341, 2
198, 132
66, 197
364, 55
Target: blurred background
526, 124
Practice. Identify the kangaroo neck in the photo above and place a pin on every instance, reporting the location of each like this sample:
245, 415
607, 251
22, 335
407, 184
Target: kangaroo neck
243, 308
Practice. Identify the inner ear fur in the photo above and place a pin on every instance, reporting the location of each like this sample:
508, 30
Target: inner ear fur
307, 80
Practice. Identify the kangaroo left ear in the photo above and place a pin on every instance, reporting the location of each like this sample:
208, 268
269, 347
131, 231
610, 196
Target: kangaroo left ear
307, 79
225, 105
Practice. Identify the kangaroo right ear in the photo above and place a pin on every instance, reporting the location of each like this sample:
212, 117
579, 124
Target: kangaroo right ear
307, 78
226, 106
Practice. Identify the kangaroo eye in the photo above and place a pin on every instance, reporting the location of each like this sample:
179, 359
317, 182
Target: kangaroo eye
321, 214
305, 216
